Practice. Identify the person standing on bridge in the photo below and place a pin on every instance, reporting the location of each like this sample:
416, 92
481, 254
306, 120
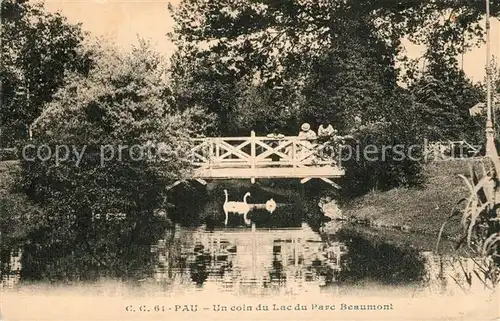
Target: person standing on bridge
275, 135
326, 134
306, 134
325, 130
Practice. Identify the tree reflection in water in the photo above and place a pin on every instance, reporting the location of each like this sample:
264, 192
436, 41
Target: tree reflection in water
289, 260
376, 261
89, 249
240, 260
198, 268
276, 274
237, 260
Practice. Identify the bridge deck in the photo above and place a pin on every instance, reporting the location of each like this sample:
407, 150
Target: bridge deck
269, 172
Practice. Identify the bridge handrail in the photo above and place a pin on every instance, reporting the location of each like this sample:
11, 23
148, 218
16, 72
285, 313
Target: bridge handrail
255, 137
258, 151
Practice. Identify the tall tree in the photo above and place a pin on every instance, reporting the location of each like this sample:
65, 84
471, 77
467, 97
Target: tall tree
346, 83
276, 37
207, 83
339, 58
446, 95
315, 44
38, 48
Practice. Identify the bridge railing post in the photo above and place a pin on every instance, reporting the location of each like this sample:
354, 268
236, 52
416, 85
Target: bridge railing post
212, 150
216, 149
253, 154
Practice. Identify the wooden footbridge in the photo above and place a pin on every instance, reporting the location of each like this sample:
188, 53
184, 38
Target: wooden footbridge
257, 157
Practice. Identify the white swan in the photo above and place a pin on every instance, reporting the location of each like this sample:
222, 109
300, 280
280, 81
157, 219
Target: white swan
244, 208
270, 205
236, 207
228, 207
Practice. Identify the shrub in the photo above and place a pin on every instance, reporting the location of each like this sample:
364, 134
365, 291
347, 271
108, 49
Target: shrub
100, 215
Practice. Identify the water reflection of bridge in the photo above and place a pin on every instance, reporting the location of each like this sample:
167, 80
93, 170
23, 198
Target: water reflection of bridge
242, 260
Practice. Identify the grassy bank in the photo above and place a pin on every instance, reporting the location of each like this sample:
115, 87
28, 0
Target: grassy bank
421, 210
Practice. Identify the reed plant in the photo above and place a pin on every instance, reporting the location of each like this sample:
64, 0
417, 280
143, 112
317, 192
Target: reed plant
479, 219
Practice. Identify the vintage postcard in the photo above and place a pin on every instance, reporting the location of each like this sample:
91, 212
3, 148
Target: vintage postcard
249, 160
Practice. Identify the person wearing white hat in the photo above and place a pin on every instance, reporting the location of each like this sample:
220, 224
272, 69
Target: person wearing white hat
306, 132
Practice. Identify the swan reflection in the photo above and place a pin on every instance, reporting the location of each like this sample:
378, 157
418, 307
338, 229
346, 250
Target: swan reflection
236, 207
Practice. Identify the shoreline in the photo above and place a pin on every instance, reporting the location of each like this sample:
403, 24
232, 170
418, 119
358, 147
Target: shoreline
420, 210
421, 242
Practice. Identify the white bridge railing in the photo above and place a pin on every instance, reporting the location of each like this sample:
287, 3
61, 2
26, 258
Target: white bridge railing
261, 152
264, 157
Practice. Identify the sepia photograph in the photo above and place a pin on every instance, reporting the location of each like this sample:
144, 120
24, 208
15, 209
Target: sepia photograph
249, 160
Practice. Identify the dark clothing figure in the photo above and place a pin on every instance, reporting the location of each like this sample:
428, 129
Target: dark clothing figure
275, 143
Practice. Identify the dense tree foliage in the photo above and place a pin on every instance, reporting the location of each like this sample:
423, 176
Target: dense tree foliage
207, 84
315, 61
281, 38
16, 211
387, 153
264, 109
37, 48
101, 212
344, 84
446, 96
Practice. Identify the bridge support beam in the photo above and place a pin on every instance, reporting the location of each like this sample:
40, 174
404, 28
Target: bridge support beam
175, 184
201, 181
329, 181
305, 180
326, 180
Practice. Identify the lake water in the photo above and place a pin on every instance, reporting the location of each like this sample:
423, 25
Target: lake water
218, 273
267, 261
293, 261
